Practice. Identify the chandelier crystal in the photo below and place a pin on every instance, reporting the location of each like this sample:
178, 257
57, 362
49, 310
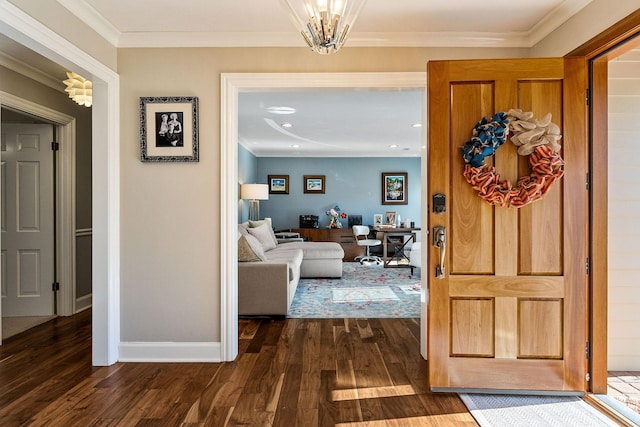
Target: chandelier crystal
324, 24
79, 89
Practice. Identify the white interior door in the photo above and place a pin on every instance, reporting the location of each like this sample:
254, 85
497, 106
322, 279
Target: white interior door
27, 205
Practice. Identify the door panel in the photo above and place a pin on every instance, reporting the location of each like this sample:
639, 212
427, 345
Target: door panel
27, 220
510, 312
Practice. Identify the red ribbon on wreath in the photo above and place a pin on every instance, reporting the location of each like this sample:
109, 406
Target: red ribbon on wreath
547, 166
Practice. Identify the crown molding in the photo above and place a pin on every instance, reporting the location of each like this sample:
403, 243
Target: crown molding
555, 18
526, 39
83, 11
243, 39
28, 71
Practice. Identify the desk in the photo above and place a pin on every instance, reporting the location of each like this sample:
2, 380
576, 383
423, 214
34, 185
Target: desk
398, 238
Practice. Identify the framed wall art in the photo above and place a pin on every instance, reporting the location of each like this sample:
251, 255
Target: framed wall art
394, 188
169, 129
314, 184
278, 184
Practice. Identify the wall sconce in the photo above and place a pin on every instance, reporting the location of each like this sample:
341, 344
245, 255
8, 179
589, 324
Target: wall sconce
253, 193
79, 89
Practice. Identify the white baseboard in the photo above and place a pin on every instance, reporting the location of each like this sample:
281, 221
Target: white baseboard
83, 303
165, 352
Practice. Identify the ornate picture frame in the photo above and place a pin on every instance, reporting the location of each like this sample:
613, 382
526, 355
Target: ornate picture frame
278, 184
314, 184
395, 186
169, 129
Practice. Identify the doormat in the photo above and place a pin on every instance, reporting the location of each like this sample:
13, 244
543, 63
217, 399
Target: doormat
381, 293
492, 410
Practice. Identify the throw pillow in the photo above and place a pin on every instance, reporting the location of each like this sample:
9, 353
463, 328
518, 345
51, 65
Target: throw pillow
243, 229
264, 235
259, 223
247, 252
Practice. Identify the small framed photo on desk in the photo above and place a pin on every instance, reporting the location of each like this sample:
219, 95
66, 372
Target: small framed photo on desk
390, 218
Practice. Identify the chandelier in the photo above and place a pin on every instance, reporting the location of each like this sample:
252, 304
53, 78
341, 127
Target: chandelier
79, 89
324, 24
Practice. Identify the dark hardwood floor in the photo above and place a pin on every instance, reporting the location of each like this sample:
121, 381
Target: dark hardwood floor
295, 372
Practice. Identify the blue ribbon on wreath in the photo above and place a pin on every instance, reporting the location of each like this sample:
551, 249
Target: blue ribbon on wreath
487, 137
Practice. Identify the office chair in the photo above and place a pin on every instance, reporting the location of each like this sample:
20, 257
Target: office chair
360, 231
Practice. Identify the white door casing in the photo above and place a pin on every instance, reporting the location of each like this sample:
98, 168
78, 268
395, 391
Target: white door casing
105, 171
27, 220
231, 85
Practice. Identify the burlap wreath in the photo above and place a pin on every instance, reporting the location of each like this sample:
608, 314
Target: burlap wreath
536, 138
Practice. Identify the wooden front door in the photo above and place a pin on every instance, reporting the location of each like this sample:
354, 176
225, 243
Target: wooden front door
509, 312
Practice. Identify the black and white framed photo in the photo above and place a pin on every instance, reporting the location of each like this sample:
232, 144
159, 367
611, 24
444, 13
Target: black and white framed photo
169, 129
394, 188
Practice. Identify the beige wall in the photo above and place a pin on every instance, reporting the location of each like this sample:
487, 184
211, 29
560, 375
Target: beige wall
170, 236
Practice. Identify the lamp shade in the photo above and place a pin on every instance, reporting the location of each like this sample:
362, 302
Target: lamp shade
79, 89
254, 191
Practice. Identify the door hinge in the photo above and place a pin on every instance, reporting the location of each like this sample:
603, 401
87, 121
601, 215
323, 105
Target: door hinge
588, 181
587, 265
55, 146
55, 286
587, 97
587, 350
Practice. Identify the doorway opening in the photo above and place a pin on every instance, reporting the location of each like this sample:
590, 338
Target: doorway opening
232, 85
623, 383
65, 197
351, 138
28, 250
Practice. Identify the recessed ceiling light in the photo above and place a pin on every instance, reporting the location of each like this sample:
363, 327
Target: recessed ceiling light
416, 125
295, 146
281, 110
286, 125
393, 146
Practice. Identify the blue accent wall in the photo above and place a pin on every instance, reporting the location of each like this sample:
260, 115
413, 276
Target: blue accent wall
355, 184
247, 168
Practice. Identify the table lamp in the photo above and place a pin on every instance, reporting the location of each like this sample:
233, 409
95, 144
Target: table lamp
253, 193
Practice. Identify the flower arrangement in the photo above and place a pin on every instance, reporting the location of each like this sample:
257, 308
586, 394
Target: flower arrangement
336, 215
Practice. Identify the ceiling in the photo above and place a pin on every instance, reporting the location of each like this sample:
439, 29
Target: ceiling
327, 122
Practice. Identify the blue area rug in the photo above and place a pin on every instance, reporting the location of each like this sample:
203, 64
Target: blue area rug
363, 291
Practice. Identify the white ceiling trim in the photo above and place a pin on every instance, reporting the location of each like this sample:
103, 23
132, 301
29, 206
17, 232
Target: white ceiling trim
271, 39
555, 18
33, 73
86, 13
292, 39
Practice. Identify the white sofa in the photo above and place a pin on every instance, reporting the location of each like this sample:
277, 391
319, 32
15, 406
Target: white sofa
267, 286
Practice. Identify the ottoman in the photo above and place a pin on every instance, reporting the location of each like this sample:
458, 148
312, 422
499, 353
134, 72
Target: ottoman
320, 259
